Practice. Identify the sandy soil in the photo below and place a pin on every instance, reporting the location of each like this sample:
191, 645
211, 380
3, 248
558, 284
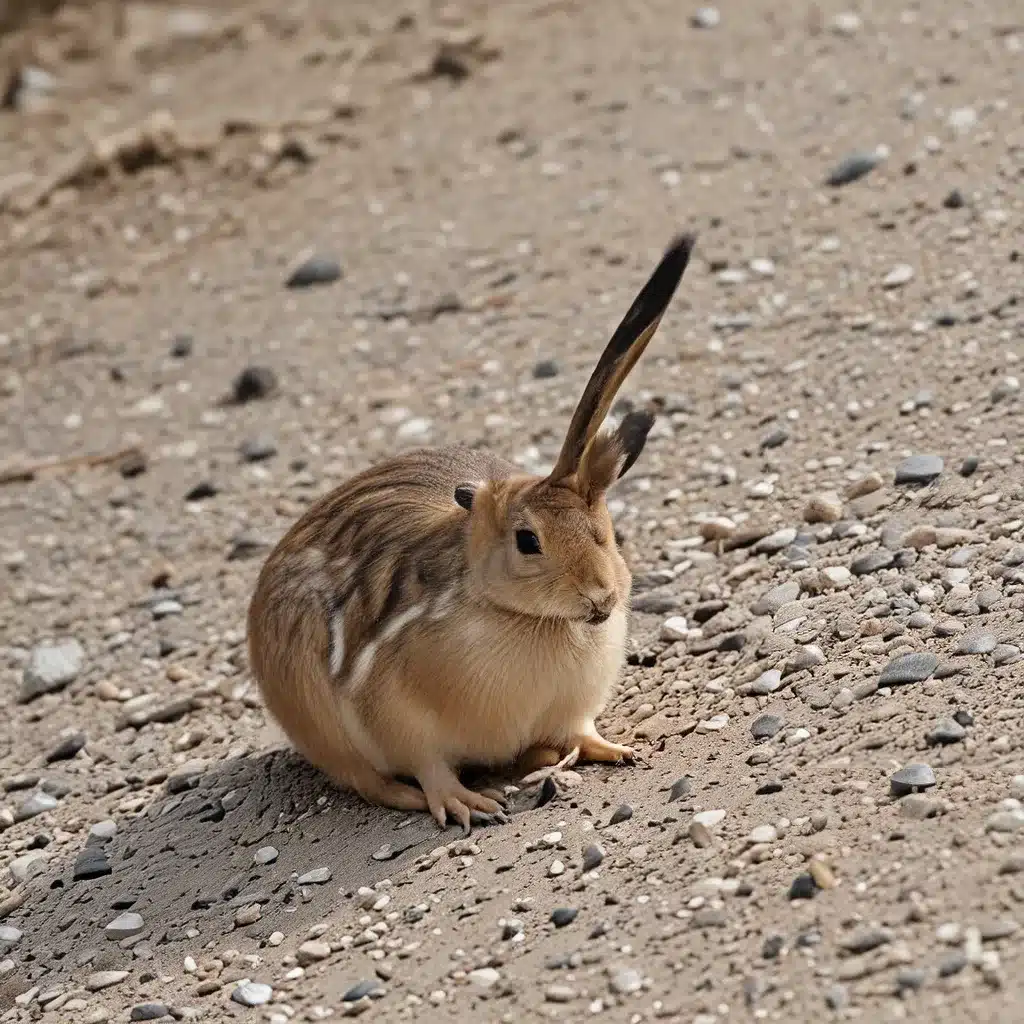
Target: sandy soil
494, 182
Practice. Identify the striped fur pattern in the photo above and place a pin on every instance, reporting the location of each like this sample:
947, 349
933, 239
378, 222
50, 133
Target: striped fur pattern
442, 608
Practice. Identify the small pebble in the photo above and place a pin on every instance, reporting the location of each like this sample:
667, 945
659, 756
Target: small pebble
314, 271
563, 916
911, 777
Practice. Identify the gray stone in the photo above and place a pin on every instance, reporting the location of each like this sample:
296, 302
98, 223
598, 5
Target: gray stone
371, 989
1006, 654
625, 981
314, 271
764, 727
767, 682
947, 731
38, 803
976, 643
265, 855
166, 608
770, 602
911, 777
252, 993
9, 935
124, 926
872, 561
852, 168
593, 855
909, 668
259, 448
104, 979
51, 667
621, 813
149, 1011
919, 469
318, 876
680, 788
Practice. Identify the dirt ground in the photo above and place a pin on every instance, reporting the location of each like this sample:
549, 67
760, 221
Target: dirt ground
826, 528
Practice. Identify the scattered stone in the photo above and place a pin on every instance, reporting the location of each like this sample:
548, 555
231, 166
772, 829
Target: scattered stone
249, 915
706, 17
254, 382
763, 834
837, 997
774, 438
824, 508
252, 993
593, 855
714, 724
976, 643
621, 813
91, 863
680, 788
866, 939
369, 989
910, 778
258, 449
1005, 821
149, 1011
909, 668
625, 981
51, 667
562, 916
872, 561
265, 855
545, 369
803, 887
314, 271
767, 682
318, 876
901, 274
970, 465
820, 871
124, 926
674, 628
312, 952
67, 748
484, 977
709, 819
770, 602
104, 979
38, 803
776, 542
919, 469
700, 835
865, 485
852, 168
947, 731
559, 994
9, 935
764, 727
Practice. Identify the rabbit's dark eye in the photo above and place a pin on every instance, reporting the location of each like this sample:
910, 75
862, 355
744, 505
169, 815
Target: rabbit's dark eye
527, 542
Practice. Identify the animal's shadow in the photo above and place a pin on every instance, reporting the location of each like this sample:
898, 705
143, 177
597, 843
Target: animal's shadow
188, 865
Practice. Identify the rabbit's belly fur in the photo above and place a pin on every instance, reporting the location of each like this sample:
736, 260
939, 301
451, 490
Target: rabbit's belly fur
483, 694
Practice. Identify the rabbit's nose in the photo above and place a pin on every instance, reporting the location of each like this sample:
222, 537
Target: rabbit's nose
602, 604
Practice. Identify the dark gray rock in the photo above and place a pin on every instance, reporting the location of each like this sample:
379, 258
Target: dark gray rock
852, 168
259, 448
91, 863
364, 989
67, 748
149, 1011
562, 916
764, 727
947, 731
254, 382
919, 469
621, 813
872, 561
593, 855
314, 271
911, 777
680, 788
909, 668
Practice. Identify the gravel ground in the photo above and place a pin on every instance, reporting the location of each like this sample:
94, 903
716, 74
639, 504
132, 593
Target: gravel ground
255, 248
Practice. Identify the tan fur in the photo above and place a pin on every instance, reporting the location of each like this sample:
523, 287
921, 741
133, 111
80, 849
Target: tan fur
399, 629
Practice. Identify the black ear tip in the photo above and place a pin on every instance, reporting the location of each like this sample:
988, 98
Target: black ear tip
681, 248
464, 496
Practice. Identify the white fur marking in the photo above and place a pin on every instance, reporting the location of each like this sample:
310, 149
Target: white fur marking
337, 641
360, 738
442, 607
364, 662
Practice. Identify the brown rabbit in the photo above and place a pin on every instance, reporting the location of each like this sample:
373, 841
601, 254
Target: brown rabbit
443, 609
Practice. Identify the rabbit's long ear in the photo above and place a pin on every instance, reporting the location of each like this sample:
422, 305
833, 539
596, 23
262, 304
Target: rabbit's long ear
619, 357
